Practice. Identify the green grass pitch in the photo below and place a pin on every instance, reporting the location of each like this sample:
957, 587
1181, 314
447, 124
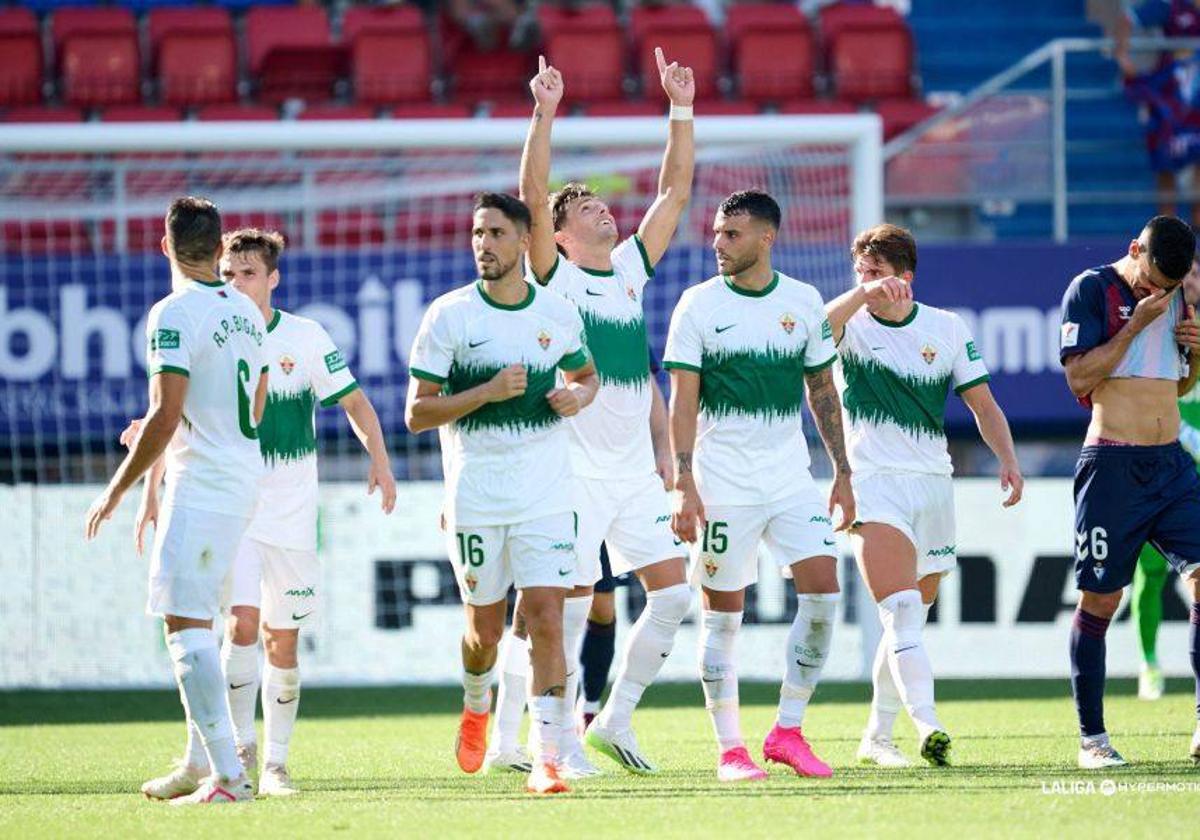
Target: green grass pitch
379, 762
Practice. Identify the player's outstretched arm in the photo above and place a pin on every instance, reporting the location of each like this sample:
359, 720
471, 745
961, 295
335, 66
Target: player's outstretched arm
843, 307
688, 520
547, 88
577, 394
1085, 371
167, 392
993, 428
365, 423
826, 408
660, 435
427, 407
679, 160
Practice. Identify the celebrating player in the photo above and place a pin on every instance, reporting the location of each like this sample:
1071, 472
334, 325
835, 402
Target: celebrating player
1122, 329
620, 499
897, 361
206, 364
483, 369
741, 348
277, 560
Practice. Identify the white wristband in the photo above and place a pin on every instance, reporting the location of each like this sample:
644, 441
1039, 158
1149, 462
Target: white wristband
681, 112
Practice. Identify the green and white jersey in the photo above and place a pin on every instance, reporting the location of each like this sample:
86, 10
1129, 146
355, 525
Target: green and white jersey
505, 462
894, 378
306, 369
752, 350
611, 439
213, 335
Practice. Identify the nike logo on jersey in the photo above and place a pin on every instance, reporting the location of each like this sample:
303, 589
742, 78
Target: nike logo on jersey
665, 655
474, 344
594, 294
283, 702
233, 687
301, 617
878, 348
829, 542
564, 572
722, 329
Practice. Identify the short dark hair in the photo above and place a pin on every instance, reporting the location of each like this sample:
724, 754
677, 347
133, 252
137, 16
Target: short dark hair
561, 200
890, 243
1170, 246
754, 203
267, 244
513, 208
193, 229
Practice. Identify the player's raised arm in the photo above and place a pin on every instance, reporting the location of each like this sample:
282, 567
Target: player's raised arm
547, 88
884, 290
675, 177
365, 423
1088, 369
167, 392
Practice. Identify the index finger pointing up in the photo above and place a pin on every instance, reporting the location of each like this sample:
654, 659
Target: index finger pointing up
541, 64
661, 59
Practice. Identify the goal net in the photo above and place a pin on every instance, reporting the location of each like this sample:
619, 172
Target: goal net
377, 218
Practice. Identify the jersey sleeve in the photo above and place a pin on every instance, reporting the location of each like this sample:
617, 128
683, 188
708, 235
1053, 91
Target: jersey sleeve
685, 340
576, 352
633, 261
170, 343
433, 349
820, 351
969, 369
1082, 317
331, 376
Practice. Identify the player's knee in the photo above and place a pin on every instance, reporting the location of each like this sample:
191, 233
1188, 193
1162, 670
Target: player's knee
902, 615
602, 611
670, 605
281, 647
821, 606
1100, 604
244, 631
484, 636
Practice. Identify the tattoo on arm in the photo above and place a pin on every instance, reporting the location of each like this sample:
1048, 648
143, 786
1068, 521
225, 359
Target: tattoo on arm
826, 409
683, 463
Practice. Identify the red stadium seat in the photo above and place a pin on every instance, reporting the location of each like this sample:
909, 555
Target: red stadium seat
622, 108
42, 114
338, 112
290, 53
140, 113
816, 106
685, 36
431, 111
838, 16
194, 54
379, 19
391, 67
187, 20
506, 110
500, 75
587, 45
727, 108
899, 115
97, 56
871, 63
772, 51
350, 228
21, 46
233, 112
39, 238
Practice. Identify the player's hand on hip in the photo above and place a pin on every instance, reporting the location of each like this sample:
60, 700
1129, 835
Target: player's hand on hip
1011, 482
1149, 309
547, 86
887, 290
688, 519
1187, 332
100, 511
564, 401
841, 495
380, 475
130, 435
678, 82
508, 383
147, 515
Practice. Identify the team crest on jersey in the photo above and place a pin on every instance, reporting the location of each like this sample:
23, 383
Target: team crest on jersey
471, 581
928, 353
710, 566
787, 322
287, 364
632, 294
544, 339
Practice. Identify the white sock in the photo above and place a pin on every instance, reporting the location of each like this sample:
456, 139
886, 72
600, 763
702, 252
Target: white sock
649, 645
718, 630
807, 651
885, 697
903, 615
240, 664
194, 755
575, 614
197, 666
546, 719
513, 665
281, 702
477, 691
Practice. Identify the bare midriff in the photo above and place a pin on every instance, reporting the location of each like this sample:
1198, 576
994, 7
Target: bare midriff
1142, 412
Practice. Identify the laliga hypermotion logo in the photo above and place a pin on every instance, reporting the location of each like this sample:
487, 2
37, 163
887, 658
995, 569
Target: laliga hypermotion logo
787, 322
287, 364
928, 353
544, 340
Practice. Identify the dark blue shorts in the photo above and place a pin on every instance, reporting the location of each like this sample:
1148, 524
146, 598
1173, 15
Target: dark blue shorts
607, 582
1126, 496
